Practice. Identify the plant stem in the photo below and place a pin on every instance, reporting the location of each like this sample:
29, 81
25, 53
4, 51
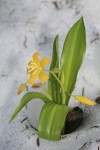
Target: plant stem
45, 91
63, 92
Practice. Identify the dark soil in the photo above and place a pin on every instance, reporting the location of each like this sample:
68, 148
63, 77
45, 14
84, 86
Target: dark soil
73, 120
98, 100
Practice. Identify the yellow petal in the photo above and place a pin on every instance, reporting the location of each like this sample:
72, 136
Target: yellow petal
30, 70
43, 77
33, 77
35, 57
84, 100
32, 63
21, 88
44, 62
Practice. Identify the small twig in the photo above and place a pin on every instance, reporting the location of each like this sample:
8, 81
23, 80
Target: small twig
25, 128
38, 142
96, 38
56, 5
64, 137
24, 120
84, 145
94, 127
25, 42
33, 127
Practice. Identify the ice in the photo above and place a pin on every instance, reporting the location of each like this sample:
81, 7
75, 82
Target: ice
27, 26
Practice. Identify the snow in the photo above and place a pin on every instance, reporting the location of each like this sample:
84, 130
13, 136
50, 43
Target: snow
27, 26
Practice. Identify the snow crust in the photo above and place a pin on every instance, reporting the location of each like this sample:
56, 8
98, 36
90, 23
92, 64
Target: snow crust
27, 26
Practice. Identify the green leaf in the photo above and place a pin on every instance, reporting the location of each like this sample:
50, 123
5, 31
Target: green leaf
51, 121
25, 99
72, 55
53, 85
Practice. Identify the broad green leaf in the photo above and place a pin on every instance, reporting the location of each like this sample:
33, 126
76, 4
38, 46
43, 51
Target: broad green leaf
53, 85
51, 121
72, 55
25, 99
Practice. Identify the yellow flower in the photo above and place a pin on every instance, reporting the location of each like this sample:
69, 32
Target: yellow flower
21, 88
36, 68
84, 100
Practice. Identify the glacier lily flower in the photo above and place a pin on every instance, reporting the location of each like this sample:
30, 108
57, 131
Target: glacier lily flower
84, 100
36, 68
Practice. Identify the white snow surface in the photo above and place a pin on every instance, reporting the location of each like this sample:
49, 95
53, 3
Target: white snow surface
27, 26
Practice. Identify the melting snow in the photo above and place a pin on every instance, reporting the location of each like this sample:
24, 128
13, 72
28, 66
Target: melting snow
27, 26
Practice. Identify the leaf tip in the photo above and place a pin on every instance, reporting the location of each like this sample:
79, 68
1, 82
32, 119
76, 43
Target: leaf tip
10, 121
57, 36
81, 18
